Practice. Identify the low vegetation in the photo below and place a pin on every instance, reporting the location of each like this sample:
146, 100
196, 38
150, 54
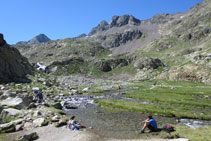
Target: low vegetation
166, 98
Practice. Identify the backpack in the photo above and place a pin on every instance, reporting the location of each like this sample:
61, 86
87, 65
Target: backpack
168, 128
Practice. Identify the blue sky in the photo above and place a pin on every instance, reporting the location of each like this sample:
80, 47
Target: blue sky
21, 20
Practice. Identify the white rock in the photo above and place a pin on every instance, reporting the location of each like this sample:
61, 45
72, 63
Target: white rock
6, 126
55, 118
10, 112
38, 122
86, 89
11, 101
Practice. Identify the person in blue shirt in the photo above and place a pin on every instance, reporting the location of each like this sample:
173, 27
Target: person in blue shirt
39, 96
150, 123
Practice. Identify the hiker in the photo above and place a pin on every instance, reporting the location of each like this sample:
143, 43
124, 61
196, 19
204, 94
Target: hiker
73, 125
39, 96
149, 123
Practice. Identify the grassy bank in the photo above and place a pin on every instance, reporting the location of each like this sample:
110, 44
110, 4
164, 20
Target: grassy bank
174, 99
153, 109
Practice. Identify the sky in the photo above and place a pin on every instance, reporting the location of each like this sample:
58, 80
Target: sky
22, 20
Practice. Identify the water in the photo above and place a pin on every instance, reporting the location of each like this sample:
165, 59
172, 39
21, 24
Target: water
123, 125
117, 124
192, 123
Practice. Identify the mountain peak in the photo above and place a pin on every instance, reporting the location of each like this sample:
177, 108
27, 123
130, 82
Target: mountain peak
39, 39
116, 21
123, 20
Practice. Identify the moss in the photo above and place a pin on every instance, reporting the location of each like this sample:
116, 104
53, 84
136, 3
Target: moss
57, 111
45, 123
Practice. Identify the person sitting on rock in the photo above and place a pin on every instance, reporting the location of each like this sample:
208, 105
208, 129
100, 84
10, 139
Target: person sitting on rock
39, 96
74, 125
150, 123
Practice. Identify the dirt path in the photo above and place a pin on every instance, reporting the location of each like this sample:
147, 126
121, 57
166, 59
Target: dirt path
51, 133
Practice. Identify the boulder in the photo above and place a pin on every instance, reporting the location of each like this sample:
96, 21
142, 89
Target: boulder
11, 101
10, 112
21, 102
28, 137
38, 122
62, 122
7, 127
57, 106
55, 118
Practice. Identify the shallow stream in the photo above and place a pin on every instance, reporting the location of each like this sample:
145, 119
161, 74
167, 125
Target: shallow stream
117, 124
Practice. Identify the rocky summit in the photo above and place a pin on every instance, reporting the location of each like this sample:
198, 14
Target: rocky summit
13, 66
41, 38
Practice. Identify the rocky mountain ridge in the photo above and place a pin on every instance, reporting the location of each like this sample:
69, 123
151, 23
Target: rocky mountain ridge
195, 21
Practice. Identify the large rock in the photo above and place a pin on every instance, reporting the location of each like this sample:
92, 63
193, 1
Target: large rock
11, 101
7, 127
10, 112
20, 102
38, 122
13, 66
